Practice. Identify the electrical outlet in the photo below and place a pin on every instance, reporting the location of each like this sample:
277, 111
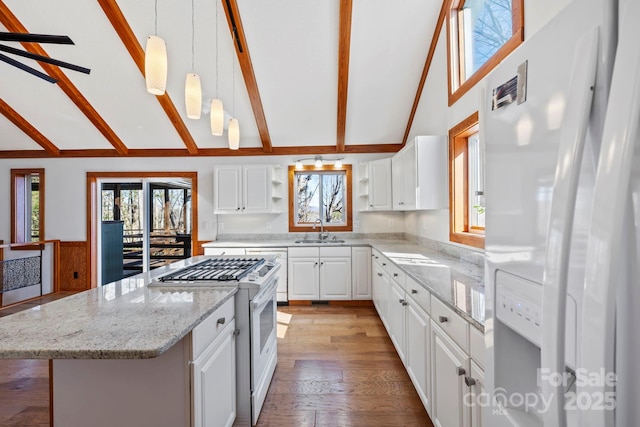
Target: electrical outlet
356, 224
75, 274
392, 223
220, 226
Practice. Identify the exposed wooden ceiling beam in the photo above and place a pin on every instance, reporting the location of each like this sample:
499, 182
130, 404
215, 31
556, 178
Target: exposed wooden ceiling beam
12, 24
27, 128
124, 31
344, 48
427, 65
244, 59
206, 152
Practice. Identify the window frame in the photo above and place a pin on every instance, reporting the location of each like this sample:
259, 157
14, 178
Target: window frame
18, 234
459, 229
457, 88
348, 225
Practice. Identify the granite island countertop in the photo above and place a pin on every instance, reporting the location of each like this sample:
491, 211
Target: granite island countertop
123, 320
454, 280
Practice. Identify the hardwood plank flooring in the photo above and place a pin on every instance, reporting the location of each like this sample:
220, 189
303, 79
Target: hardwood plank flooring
337, 367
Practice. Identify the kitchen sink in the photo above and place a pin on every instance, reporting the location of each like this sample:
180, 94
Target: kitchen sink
315, 241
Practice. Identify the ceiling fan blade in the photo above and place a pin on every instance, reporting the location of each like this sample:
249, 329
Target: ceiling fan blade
34, 38
10, 61
46, 59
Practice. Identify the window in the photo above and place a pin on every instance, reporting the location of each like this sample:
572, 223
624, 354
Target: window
27, 205
480, 34
466, 183
320, 194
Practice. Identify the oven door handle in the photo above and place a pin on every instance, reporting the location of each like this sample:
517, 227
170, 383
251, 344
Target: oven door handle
265, 294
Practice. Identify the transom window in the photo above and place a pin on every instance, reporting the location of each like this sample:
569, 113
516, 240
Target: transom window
480, 34
320, 195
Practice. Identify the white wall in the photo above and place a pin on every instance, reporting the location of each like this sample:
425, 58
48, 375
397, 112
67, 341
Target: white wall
65, 194
435, 117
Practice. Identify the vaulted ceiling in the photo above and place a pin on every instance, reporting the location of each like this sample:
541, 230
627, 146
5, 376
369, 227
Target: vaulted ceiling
301, 76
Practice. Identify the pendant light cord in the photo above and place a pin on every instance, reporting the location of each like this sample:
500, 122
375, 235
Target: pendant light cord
156, 18
193, 38
216, 48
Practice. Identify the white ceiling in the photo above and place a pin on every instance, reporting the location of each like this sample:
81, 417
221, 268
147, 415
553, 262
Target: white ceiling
294, 52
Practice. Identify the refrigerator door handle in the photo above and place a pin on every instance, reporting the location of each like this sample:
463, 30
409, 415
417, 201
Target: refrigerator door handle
610, 205
565, 187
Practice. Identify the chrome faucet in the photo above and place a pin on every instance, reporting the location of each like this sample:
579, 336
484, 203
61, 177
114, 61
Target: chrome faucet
322, 235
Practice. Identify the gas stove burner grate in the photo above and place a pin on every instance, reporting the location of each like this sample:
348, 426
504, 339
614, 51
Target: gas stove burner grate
215, 269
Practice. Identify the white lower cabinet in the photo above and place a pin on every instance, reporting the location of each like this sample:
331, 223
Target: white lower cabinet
397, 305
380, 290
418, 351
319, 273
214, 382
450, 364
361, 273
304, 280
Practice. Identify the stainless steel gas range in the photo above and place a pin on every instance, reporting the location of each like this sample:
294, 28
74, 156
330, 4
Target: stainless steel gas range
256, 306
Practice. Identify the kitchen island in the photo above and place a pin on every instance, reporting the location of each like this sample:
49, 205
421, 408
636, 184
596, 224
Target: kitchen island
122, 354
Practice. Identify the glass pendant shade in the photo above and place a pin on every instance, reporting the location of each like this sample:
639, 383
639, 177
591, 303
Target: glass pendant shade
155, 65
234, 134
193, 96
217, 117
318, 162
298, 164
338, 164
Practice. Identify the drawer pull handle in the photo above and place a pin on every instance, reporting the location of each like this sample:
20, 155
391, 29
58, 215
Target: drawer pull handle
404, 303
460, 371
380, 274
401, 301
414, 291
443, 319
384, 264
395, 274
222, 321
469, 381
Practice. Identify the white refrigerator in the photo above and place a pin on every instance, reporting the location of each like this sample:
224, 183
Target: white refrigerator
562, 198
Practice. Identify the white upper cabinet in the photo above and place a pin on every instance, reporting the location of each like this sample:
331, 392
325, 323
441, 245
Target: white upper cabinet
419, 175
375, 185
246, 189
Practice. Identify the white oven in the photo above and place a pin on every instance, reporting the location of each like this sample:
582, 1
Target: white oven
262, 313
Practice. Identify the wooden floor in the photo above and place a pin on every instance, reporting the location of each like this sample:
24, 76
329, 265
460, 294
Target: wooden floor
338, 367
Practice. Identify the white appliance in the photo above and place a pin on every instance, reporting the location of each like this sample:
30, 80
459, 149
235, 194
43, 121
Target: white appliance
256, 320
280, 256
562, 223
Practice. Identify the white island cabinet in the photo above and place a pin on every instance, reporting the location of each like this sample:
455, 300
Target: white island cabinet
191, 384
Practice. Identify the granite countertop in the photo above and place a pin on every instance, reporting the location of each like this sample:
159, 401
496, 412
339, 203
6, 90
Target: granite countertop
455, 278
122, 320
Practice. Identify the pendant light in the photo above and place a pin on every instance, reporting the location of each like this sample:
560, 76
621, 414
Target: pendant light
234, 134
234, 126
217, 109
192, 87
155, 61
318, 162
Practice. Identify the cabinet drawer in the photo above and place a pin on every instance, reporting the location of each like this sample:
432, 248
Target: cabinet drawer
420, 295
304, 252
210, 328
342, 251
476, 345
377, 256
396, 274
454, 325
